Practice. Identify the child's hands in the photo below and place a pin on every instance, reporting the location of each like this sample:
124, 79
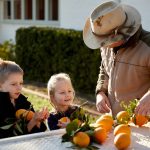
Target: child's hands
40, 116
62, 123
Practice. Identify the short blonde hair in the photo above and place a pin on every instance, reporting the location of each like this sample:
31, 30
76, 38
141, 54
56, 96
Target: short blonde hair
7, 68
53, 79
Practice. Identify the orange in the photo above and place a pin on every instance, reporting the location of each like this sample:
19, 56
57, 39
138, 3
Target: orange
122, 128
139, 120
122, 141
64, 120
105, 123
100, 135
123, 117
20, 113
23, 113
81, 139
29, 115
107, 116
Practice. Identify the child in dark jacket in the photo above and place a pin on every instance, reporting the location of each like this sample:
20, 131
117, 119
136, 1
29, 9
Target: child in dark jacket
61, 93
11, 100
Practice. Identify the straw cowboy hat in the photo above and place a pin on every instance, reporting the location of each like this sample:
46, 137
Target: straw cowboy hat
110, 18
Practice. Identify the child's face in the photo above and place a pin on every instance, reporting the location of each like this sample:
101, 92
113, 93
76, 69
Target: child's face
13, 85
63, 94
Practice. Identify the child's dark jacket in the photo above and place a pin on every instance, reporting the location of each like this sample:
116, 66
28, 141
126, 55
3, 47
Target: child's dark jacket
7, 110
55, 116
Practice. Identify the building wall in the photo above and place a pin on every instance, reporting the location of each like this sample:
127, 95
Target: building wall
143, 7
72, 15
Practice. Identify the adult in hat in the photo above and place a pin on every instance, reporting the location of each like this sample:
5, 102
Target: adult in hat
124, 75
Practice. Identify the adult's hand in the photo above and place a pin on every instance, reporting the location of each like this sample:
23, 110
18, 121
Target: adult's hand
102, 103
143, 107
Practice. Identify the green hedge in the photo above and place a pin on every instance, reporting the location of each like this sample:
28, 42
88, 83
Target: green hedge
42, 52
7, 50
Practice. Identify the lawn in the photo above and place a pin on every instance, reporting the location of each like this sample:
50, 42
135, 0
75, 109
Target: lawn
38, 102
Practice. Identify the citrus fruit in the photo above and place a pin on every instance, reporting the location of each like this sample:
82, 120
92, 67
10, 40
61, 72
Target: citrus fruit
122, 128
100, 135
139, 120
81, 139
64, 120
105, 123
107, 116
29, 115
123, 117
20, 112
23, 113
122, 141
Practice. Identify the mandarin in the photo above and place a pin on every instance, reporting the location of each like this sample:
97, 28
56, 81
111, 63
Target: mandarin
123, 117
23, 113
122, 128
81, 139
64, 120
139, 120
122, 141
100, 135
105, 123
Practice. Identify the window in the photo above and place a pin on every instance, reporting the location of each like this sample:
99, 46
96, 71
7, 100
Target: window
31, 9
53, 10
28, 9
40, 9
17, 9
7, 9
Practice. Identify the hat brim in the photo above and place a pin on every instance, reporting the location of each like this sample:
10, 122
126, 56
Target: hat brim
129, 28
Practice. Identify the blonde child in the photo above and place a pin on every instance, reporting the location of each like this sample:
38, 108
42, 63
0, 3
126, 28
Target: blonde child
11, 100
61, 94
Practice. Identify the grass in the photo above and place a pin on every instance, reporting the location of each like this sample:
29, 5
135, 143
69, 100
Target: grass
38, 102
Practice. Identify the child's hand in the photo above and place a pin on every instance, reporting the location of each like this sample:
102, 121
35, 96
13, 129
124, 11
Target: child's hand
62, 124
40, 116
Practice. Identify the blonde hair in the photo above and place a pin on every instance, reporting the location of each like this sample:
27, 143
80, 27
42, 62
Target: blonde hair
53, 80
7, 68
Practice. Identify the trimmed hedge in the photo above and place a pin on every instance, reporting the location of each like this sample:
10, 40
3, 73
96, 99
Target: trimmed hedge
42, 52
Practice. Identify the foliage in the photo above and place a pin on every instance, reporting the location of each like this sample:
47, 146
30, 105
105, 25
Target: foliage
7, 50
131, 107
42, 52
74, 127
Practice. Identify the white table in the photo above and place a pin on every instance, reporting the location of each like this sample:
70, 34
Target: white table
51, 140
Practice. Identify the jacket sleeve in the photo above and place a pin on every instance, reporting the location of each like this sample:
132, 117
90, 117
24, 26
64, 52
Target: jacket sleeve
102, 83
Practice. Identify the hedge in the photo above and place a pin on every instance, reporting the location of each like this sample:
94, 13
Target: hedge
44, 51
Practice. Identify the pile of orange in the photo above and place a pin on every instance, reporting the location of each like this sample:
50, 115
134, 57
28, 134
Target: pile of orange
23, 113
102, 127
104, 124
123, 117
122, 135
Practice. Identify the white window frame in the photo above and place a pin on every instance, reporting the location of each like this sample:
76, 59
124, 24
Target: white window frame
32, 21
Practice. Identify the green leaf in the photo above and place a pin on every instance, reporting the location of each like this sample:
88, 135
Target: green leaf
66, 138
71, 127
6, 127
19, 128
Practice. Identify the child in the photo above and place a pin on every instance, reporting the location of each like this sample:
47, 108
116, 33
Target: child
11, 100
61, 93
